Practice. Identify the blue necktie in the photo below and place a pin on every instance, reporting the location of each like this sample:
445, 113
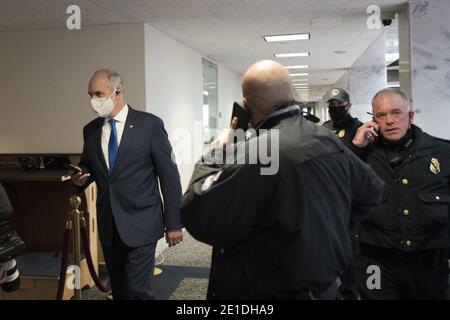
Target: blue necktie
113, 145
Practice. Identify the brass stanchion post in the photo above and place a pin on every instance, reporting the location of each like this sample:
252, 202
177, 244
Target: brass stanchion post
76, 215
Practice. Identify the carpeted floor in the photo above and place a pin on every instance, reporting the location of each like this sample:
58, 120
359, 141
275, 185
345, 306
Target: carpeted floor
185, 271
184, 276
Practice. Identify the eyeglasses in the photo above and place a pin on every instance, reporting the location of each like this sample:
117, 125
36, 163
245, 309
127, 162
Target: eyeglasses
394, 114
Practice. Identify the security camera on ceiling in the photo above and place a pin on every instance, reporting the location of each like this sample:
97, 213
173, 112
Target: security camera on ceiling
387, 17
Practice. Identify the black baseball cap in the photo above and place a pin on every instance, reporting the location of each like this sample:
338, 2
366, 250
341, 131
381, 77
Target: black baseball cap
337, 94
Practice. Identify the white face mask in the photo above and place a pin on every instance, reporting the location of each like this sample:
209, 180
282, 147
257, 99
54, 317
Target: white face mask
103, 106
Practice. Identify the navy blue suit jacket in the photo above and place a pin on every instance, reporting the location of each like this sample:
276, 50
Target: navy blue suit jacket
130, 193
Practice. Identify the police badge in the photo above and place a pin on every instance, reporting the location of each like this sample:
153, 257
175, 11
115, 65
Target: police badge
435, 167
341, 133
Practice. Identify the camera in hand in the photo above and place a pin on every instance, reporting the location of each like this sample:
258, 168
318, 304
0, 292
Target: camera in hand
11, 246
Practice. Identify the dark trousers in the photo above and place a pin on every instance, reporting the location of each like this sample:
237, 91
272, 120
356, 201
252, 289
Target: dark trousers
130, 269
349, 287
403, 275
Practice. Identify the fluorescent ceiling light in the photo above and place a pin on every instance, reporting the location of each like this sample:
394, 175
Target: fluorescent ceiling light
303, 66
299, 80
287, 37
290, 55
299, 74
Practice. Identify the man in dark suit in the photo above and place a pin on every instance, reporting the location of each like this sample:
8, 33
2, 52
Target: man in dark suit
126, 152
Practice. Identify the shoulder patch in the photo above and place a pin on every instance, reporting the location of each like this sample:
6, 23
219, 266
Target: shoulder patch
210, 180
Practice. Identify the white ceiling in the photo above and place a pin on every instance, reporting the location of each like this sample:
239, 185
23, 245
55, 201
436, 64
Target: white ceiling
228, 32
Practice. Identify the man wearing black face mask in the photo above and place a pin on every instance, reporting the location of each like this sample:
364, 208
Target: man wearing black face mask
342, 123
345, 126
406, 238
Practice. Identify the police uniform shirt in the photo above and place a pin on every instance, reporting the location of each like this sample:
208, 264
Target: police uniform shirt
344, 130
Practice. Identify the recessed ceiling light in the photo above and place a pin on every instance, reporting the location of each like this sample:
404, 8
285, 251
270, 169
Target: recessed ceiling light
340, 51
291, 55
299, 74
287, 37
300, 80
303, 66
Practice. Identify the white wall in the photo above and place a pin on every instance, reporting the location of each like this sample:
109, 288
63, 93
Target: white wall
430, 59
45, 73
230, 90
174, 93
365, 78
44, 78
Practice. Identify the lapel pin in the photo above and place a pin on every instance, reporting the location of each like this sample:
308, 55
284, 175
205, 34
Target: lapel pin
131, 126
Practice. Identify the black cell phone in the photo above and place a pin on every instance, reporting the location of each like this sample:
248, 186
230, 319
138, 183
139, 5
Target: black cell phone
75, 168
243, 115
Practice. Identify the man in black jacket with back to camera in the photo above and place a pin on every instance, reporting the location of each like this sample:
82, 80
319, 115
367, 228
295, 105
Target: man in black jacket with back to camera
279, 230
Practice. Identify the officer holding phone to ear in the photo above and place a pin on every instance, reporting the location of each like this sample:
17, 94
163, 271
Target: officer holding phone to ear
283, 233
407, 235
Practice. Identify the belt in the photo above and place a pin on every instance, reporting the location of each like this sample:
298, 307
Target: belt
430, 257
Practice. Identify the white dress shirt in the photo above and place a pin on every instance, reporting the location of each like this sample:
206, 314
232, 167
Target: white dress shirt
121, 118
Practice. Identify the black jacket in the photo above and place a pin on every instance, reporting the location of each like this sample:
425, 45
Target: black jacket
5, 211
415, 208
345, 130
281, 234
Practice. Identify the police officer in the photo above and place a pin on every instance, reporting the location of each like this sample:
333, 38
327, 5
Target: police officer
406, 238
342, 123
280, 234
345, 126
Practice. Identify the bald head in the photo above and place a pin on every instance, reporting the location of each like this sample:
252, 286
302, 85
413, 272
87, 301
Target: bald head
265, 85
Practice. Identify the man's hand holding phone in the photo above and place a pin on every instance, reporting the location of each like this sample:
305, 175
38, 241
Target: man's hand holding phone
242, 114
366, 134
78, 176
240, 119
226, 136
